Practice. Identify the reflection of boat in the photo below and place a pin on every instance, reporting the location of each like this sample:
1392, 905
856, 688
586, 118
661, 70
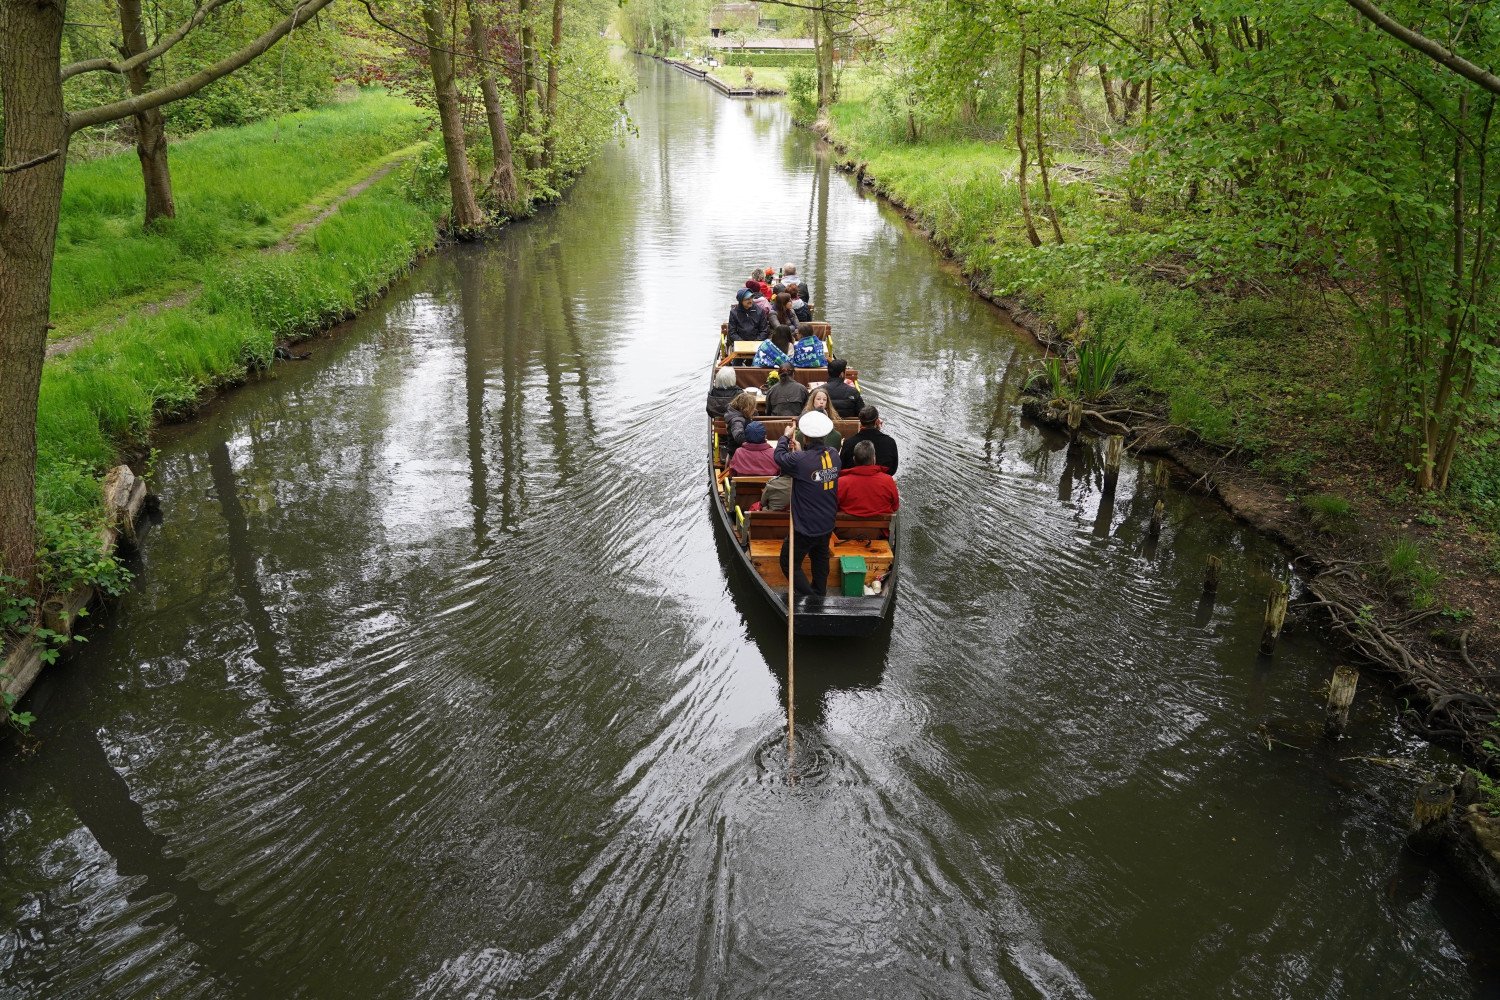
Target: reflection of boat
757, 536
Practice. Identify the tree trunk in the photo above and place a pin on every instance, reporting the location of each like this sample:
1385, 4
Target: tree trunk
30, 202
502, 188
466, 214
1031, 233
1110, 103
150, 126
554, 60
1041, 154
823, 49
528, 74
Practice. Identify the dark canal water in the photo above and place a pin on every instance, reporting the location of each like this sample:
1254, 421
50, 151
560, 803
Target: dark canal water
436, 683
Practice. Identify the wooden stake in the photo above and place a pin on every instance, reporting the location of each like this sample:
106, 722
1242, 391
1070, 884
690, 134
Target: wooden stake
1340, 698
1157, 513
1211, 575
1114, 448
1429, 817
791, 637
1075, 416
1161, 476
1275, 617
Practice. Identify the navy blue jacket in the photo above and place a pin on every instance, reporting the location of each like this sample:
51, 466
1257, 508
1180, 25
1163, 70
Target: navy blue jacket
814, 472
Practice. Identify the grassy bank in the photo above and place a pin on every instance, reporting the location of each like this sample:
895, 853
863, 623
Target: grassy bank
236, 190
1269, 378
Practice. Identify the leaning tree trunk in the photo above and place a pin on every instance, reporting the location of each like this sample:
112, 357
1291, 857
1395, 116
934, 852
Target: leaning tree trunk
554, 58
36, 133
466, 214
503, 175
150, 126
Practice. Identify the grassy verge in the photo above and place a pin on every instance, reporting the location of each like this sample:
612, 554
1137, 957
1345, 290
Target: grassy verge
236, 190
1271, 376
103, 398
765, 78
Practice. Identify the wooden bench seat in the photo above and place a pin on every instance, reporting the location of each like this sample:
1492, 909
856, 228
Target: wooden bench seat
748, 378
776, 426
765, 556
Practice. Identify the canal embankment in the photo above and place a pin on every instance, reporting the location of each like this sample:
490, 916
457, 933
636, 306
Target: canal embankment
285, 228
1411, 591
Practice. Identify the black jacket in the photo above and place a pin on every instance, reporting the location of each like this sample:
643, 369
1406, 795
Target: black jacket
845, 399
718, 399
734, 422
753, 325
885, 447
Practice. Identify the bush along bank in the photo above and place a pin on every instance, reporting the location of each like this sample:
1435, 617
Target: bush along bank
101, 399
1248, 392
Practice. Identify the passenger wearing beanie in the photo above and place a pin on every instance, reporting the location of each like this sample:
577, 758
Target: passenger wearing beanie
754, 457
813, 468
844, 397
746, 322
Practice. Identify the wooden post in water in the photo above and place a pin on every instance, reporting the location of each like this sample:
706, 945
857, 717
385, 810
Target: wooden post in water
1114, 447
1211, 575
1157, 513
1429, 817
1161, 476
1340, 698
1275, 617
1075, 417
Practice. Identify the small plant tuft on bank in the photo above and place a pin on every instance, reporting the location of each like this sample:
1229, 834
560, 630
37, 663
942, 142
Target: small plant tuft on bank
1329, 514
1404, 566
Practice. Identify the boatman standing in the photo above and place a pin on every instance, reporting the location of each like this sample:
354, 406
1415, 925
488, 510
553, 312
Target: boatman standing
814, 470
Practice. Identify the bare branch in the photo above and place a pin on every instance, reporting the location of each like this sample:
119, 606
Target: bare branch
301, 14
1458, 64
106, 65
35, 161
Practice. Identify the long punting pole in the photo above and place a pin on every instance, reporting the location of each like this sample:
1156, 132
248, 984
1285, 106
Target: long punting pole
791, 641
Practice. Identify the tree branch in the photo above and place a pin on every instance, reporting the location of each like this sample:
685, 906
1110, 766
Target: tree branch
100, 114
1477, 74
35, 161
107, 65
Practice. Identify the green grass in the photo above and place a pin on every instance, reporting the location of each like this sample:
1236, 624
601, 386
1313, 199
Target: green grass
1329, 514
768, 78
105, 396
1405, 566
235, 189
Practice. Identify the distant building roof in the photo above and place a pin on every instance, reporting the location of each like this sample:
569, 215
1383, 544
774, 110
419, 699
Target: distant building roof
766, 44
737, 13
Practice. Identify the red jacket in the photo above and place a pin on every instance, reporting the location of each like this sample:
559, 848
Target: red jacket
866, 491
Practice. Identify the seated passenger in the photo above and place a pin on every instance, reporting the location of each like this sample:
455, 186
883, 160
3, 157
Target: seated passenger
795, 283
775, 495
865, 490
724, 389
783, 311
818, 400
787, 396
772, 352
745, 321
846, 399
809, 352
870, 424
800, 306
736, 418
754, 457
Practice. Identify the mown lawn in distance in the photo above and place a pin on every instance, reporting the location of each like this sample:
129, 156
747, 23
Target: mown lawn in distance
235, 189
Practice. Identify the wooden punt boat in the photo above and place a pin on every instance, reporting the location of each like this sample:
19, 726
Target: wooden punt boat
756, 537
